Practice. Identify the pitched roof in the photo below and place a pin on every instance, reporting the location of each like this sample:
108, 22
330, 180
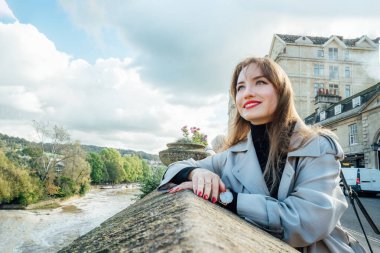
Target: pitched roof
346, 107
321, 40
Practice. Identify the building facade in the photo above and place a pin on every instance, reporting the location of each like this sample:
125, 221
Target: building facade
339, 66
356, 122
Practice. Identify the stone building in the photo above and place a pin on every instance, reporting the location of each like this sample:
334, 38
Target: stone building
342, 66
356, 122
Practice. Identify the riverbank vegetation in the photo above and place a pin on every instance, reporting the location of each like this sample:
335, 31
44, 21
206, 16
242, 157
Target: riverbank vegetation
58, 167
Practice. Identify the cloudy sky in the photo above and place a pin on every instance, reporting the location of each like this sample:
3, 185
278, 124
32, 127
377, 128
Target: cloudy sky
130, 74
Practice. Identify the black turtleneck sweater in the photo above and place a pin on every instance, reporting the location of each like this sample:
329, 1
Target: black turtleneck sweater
260, 138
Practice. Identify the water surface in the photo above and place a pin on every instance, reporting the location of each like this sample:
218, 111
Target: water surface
50, 230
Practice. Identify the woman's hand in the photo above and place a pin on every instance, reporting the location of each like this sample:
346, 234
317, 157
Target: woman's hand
204, 183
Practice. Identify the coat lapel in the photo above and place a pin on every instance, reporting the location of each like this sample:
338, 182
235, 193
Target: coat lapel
287, 180
247, 168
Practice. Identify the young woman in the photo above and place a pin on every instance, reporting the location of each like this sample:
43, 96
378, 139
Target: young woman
275, 172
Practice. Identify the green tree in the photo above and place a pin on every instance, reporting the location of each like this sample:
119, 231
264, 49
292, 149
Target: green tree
67, 186
113, 164
75, 167
98, 172
146, 169
53, 142
16, 185
134, 168
35, 153
150, 183
60, 163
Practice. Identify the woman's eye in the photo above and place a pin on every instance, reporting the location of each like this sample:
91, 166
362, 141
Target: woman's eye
239, 87
261, 82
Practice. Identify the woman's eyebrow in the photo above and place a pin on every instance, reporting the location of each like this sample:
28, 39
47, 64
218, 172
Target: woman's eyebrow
258, 77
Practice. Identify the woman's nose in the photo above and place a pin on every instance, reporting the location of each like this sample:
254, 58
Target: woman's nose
249, 91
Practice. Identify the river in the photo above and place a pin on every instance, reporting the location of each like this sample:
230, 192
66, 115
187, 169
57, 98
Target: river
51, 229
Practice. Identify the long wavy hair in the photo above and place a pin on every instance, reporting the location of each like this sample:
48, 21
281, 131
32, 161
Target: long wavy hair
284, 117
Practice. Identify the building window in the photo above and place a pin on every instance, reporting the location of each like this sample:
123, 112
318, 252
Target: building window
320, 53
338, 109
353, 134
356, 102
318, 69
347, 91
347, 72
322, 116
333, 89
333, 53
346, 55
333, 72
318, 87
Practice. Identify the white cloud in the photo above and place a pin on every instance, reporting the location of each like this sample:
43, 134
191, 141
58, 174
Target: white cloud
189, 48
27, 53
105, 103
5, 12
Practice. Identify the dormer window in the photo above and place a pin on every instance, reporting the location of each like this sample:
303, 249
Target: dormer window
356, 102
322, 116
338, 109
333, 53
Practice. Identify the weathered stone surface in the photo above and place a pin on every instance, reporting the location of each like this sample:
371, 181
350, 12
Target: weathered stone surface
179, 151
180, 222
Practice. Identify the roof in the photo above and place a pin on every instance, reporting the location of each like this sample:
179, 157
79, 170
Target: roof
347, 109
322, 40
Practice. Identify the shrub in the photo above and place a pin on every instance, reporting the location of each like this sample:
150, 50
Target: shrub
151, 182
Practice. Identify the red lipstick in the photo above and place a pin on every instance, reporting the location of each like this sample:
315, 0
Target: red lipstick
251, 103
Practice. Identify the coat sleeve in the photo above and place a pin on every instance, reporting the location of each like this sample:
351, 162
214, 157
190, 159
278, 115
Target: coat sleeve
311, 210
213, 163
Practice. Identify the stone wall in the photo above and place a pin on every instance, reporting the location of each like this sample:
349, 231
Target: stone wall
180, 222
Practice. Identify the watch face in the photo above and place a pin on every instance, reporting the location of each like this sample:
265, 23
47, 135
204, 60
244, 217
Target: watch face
226, 197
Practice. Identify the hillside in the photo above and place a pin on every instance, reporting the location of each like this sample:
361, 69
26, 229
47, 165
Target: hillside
16, 142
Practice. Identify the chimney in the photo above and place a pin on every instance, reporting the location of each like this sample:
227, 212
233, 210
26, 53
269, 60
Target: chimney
324, 99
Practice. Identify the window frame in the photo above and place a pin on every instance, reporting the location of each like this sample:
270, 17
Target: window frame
320, 53
319, 69
347, 72
356, 102
353, 134
318, 86
333, 72
333, 53
322, 115
334, 87
346, 55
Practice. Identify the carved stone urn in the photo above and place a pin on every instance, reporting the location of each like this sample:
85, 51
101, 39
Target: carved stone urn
181, 150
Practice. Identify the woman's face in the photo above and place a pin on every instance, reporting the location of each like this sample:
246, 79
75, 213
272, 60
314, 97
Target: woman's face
256, 98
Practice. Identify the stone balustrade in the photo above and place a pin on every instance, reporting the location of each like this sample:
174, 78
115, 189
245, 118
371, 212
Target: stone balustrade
180, 222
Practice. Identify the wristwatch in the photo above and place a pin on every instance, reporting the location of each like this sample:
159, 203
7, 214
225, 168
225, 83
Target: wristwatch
226, 197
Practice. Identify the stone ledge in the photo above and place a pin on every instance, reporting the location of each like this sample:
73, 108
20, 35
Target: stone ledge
180, 222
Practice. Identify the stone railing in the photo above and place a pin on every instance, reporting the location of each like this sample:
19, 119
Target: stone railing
180, 222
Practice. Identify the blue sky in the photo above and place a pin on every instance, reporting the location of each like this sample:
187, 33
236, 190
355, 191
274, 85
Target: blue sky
52, 20
130, 74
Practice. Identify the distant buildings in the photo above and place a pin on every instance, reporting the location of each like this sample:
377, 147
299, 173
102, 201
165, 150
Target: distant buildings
356, 121
341, 66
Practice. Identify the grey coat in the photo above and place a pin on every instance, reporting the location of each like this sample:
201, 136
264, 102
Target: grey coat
310, 202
